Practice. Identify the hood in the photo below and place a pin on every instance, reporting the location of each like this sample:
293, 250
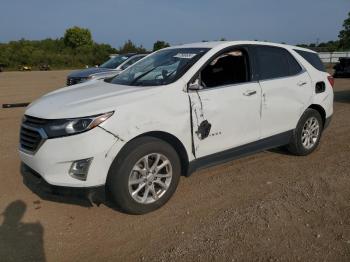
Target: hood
89, 71
86, 99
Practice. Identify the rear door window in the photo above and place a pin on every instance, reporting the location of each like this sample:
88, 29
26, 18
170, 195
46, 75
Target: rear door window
275, 62
313, 59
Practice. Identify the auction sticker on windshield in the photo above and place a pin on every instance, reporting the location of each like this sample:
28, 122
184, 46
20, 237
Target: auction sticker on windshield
185, 55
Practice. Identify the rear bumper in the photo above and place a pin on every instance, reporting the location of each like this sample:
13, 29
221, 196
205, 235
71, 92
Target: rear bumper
83, 196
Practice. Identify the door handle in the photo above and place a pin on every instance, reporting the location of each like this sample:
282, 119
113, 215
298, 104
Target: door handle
249, 93
302, 83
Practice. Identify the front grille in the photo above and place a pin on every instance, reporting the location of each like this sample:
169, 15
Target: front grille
32, 134
34, 121
73, 81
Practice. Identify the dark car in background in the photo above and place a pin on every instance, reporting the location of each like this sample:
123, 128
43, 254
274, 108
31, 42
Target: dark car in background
342, 69
44, 67
112, 67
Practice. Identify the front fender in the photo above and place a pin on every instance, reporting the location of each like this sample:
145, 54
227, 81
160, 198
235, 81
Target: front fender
166, 111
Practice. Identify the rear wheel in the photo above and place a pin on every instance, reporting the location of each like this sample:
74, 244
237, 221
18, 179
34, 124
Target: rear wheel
308, 133
144, 176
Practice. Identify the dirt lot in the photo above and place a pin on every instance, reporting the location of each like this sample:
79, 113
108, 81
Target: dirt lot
268, 207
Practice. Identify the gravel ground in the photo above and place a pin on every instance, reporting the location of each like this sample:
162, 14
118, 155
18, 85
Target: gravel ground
268, 207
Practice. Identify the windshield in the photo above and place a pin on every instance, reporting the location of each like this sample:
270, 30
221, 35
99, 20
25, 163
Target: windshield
114, 62
160, 68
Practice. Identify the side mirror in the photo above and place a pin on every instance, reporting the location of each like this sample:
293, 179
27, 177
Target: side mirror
195, 85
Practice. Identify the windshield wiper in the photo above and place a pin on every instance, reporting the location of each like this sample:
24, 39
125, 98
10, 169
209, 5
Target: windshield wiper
147, 72
142, 75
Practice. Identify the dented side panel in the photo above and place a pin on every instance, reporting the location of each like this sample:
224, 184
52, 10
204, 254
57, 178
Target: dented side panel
165, 109
225, 117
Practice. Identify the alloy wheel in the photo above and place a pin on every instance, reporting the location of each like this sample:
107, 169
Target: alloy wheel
310, 133
150, 178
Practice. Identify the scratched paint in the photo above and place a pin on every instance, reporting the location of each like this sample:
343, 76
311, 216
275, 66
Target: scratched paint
202, 125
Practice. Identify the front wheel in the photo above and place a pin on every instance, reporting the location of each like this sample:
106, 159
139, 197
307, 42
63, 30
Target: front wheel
144, 176
308, 133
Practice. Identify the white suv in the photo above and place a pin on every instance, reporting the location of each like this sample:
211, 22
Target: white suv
177, 110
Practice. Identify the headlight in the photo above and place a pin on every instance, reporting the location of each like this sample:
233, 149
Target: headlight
66, 127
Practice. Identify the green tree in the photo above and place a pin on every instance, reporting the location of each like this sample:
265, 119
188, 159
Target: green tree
160, 45
130, 47
101, 53
329, 46
77, 37
53, 52
344, 35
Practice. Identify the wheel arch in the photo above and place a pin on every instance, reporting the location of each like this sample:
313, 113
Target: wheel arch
321, 110
175, 143
172, 140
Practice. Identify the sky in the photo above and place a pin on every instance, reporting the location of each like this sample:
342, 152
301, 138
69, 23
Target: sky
175, 21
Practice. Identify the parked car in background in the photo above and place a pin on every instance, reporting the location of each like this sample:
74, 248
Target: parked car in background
342, 69
177, 110
25, 68
44, 67
111, 68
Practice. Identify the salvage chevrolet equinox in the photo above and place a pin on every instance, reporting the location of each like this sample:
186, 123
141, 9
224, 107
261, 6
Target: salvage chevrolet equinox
177, 110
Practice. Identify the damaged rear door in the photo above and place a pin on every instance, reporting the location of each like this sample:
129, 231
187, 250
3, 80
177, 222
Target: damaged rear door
225, 104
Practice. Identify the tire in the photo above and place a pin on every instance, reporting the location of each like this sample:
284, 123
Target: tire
129, 167
303, 132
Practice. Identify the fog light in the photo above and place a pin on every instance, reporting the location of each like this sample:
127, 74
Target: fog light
79, 169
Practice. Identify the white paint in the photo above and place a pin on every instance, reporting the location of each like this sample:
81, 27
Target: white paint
236, 119
284, 101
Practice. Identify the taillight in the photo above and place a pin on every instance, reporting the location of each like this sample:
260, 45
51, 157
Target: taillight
331, 80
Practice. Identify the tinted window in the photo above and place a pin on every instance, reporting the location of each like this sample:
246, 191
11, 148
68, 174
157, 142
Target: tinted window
313, 59
115, 61
131, 61
275, 62
294, 67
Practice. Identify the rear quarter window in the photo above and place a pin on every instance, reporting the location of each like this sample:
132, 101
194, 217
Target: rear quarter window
294, 67
275, 62
313, 59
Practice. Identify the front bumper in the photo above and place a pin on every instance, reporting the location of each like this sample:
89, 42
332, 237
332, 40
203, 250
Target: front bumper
55, 156
38, 185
